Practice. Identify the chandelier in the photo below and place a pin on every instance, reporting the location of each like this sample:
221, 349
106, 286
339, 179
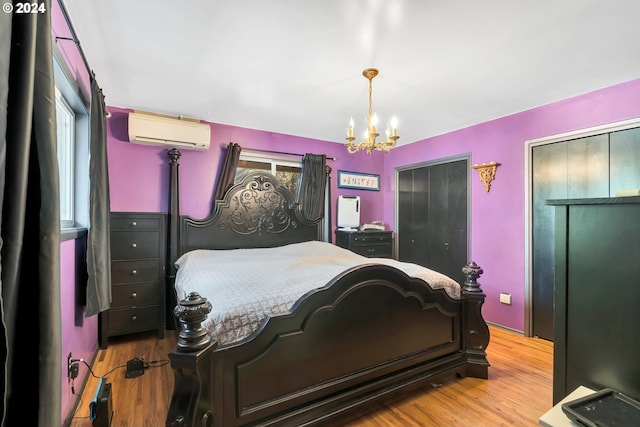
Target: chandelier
369, 143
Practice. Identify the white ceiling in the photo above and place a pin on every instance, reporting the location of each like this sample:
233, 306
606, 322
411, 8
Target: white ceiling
295, 66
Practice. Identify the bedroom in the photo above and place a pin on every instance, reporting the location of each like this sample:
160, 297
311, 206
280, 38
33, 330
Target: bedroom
138, 176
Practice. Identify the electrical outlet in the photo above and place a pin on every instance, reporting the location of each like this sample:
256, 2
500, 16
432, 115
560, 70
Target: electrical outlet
73, 367
505, 298
69, 363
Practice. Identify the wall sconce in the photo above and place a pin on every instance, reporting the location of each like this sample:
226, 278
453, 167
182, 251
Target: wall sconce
487, 173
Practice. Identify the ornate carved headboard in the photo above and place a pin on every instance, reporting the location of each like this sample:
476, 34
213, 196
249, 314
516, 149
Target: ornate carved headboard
257, 212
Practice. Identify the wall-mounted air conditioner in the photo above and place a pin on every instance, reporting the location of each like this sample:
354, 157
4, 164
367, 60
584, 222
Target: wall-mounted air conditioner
155, 129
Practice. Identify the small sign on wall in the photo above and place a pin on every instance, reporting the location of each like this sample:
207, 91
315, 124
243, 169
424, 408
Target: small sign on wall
358, 180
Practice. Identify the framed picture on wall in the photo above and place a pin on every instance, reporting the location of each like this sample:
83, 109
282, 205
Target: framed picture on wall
358, 180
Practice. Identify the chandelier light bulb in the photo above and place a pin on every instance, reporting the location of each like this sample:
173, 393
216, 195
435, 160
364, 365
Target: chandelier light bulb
394, 126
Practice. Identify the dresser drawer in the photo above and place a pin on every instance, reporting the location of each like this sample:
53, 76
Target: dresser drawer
367, 238
132, 223
373, 250
138, 288
135, 271
134, 245
373, 244
135, 294
133, 319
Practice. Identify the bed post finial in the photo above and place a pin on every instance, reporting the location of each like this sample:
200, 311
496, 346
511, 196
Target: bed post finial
191, 312
174, 155
472, 271
475, 337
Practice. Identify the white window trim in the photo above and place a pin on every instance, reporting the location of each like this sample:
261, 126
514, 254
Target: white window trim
70, 91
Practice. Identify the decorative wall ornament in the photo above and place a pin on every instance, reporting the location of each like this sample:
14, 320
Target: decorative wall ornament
359, 180
487, 173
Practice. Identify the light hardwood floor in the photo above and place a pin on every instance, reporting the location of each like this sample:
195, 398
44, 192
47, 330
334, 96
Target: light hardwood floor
517, 393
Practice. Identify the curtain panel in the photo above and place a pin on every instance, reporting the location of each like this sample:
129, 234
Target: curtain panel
311, 192
30, 223
98, 241
228, 171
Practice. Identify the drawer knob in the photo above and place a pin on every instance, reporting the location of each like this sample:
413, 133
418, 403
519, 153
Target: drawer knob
134, 272
133, 223
134, 294
134, 317
133, 245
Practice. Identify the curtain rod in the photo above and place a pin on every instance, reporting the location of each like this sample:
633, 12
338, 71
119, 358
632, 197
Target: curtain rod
76, 41
74, 36
258, 150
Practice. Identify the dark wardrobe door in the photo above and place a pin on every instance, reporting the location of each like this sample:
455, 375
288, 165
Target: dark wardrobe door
432, 217
448, 218
588, 167
412, 215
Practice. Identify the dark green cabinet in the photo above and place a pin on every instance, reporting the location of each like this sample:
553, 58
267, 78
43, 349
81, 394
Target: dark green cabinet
597, 295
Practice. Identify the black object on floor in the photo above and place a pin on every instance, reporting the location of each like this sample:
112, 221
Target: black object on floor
606, 407
135, 368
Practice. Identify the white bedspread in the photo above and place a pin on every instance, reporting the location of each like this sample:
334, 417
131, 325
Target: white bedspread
245, 285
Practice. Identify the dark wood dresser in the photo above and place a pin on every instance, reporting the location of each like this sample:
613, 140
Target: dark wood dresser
137, 276
373, 244
597, 293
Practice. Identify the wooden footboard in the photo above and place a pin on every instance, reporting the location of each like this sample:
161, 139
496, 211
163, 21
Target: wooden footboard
370, 332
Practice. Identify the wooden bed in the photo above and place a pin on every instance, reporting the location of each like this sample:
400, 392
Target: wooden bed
369, 332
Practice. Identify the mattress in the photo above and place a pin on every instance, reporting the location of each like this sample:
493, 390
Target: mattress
244, 286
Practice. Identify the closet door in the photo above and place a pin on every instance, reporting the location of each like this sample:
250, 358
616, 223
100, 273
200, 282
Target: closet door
432, 217
412, 215
549, 168
447, 225
577, 168
624, 149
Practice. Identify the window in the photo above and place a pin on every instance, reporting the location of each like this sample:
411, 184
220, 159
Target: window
288, 172
65, 128
72, 132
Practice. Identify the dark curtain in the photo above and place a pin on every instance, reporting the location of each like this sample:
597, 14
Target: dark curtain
228, 170
98, 246
30, 224
312, 187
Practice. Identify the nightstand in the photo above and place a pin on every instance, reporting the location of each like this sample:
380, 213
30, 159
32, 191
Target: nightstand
371, 243
137, 276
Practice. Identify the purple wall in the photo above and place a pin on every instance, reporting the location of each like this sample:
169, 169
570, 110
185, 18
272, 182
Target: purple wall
139, 174
498, 217
139, 177
79, 333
